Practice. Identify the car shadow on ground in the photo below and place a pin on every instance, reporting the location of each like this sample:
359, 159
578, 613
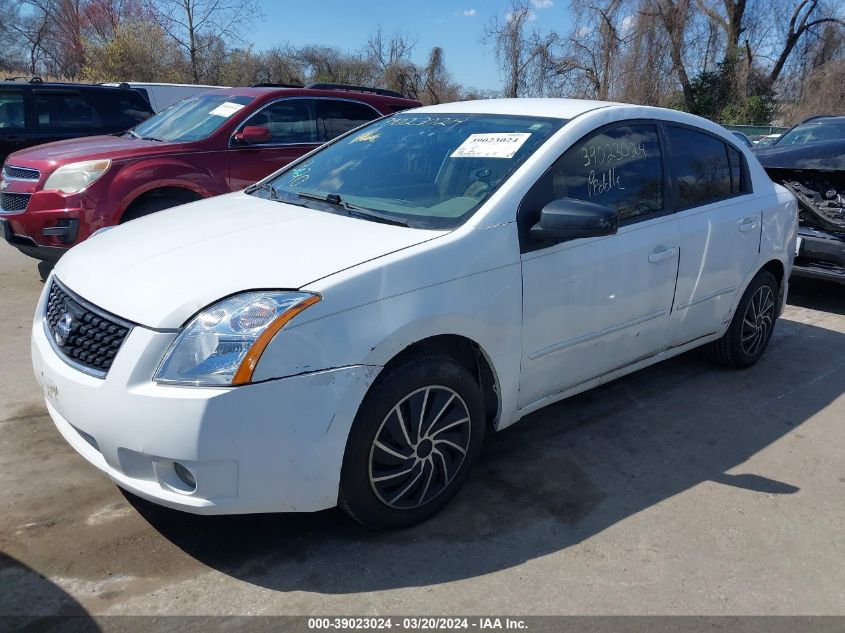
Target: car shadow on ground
556, 478
814, 294
57, 609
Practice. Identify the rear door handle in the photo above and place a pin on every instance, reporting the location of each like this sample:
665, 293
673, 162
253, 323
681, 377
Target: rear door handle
748, 224
661, 253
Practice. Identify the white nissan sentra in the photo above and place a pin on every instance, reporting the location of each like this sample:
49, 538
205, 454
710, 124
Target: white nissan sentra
346, 331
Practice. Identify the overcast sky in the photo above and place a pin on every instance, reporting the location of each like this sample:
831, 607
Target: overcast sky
346, 24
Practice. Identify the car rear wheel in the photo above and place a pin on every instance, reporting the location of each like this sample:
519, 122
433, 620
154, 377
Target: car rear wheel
751, 327
415, 438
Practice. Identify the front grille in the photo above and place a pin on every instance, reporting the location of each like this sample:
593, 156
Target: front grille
20, 173
86, 336
13, 202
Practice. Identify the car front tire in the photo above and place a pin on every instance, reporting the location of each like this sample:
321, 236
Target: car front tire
413, 443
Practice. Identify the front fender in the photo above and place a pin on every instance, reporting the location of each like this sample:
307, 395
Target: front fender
484, 305
143, 176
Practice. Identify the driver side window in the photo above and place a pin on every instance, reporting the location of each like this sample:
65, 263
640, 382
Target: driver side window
620, 167
289, 121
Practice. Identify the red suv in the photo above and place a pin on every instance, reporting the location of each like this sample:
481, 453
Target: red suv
55, 195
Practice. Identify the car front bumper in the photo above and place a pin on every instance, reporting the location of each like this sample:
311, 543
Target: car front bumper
274, 446
821, 255
51, 222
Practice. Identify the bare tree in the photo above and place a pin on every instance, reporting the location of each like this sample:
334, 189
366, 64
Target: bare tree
593, 48
674, 14
33, 25
388, 52
731, 22
391, 59
801, 22
66, 37
103, 18
648, 49
199, 25
514, 45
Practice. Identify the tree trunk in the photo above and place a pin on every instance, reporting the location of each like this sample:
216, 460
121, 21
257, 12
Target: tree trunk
674, 17
192, 40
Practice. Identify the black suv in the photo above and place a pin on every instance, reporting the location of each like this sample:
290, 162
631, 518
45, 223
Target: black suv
35, 111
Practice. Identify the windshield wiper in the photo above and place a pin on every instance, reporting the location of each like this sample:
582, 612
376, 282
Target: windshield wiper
351, 209
266, 186
153, 138
133, 134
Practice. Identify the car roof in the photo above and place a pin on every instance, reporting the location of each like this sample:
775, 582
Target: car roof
562, 109
134, 84
824, 118
59, 84
539, 107
260, 92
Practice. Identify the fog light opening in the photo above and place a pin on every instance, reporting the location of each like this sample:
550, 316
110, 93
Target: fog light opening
185, 475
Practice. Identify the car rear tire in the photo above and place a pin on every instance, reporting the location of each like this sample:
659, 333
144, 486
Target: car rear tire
751, 327
414, 441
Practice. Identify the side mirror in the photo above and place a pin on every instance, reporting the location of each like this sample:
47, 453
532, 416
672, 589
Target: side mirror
253, 134
570, 219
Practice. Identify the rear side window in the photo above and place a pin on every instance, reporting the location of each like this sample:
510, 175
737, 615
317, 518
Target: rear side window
11, 109
65, 110
144, 94
620, 167
342, 116
289, 121
121, 110
702, 171
738, 179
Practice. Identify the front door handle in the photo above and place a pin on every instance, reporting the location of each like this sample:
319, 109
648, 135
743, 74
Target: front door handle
748, 224
661, 253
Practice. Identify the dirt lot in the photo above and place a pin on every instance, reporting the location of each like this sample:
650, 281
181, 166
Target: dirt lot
683, 489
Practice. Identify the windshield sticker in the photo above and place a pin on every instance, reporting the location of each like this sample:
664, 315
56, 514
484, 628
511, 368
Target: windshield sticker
491, 145
366, 136
226, 109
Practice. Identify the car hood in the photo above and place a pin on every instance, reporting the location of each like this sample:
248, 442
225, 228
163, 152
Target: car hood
87, 148
159, 270
822, 155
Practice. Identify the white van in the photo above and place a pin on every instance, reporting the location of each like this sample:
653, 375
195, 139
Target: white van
162, 96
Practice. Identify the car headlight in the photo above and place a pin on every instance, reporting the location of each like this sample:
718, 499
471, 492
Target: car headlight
222, 344
75, 177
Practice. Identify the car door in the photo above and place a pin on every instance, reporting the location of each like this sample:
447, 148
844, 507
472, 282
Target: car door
594, 305
294, 131
13, 121
719, 230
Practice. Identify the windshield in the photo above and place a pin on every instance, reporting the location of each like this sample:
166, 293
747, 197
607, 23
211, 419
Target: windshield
192, 119
429, 171
813, 132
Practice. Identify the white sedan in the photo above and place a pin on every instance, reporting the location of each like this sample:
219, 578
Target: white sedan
347, 330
